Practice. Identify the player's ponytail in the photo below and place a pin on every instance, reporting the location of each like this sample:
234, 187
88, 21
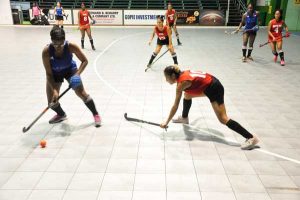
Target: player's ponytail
172, 69
57, 33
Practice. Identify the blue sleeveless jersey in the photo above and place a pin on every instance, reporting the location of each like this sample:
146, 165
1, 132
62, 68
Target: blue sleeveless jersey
251, 21
59, 11
63, 63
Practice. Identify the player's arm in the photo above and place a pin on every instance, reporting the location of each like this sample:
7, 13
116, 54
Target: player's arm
258, 18
269, 30
79, 54
152, 36
241, 23
285, 28
166, 17
47, 66
91, 17
63, 11
179, 89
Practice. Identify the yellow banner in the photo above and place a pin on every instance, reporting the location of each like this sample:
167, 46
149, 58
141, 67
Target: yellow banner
297, 1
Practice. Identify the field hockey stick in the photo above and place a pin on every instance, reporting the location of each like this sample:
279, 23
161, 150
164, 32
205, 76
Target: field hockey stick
264, 44
140, 120
157, 59
235, 32
25, 129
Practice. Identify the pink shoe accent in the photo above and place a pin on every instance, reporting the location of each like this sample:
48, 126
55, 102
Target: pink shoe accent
282, 62
97, 119
275, 59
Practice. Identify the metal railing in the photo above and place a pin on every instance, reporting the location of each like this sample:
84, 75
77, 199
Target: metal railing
241, 6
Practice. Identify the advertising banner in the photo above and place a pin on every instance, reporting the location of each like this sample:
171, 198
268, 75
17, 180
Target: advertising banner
51, 17
211, 18
188, 17
141, 17
103, 17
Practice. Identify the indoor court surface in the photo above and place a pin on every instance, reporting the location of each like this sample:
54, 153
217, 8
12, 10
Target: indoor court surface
123, 160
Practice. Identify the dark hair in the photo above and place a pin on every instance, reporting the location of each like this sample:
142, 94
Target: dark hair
57, 33
280, 11
161, 17
172, 69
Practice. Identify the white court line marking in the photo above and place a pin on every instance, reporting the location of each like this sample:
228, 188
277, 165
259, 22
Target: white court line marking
142, 106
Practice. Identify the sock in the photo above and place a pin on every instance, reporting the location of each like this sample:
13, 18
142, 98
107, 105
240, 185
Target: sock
82, 42
177, 35
244, 49
281, 54
235, 126
175, 58
275, 53
187, 103
92, 42
59, 111
152, 57
91, 105
249, 51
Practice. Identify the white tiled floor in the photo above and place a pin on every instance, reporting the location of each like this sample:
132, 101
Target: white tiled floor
127, 161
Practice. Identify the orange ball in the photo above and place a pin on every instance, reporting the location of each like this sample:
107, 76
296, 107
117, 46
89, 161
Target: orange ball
43, 143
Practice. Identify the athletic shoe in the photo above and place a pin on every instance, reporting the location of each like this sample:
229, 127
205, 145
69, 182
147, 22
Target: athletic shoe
275, 59
244, 59
57, 119
250, 58
181, 120
282, 62
250, 143
97, 119
93, 47
178, 42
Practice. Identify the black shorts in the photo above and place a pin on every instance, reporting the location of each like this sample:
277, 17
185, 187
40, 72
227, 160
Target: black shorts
215, 91
163, 42
65, 74
171, 24
59, 18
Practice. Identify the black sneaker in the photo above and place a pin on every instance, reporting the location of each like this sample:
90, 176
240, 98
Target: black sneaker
93, 47
57, 119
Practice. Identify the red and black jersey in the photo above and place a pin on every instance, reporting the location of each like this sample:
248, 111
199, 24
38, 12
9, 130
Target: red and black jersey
162, 35
200, 81
83, 17
276, 28
171, 15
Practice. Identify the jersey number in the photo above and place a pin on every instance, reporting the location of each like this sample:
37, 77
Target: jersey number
197, 74
85, 18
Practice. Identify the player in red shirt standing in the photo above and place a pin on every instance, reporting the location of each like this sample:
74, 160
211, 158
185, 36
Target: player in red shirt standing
198, 84
171, 17
84, 25
164, 37
275, 35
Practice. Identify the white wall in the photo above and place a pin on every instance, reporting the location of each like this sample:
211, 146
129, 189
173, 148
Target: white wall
5, 10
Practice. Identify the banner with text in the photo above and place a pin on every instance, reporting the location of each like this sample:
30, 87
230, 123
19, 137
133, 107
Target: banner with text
103, 17
51, 16
187, 17
141, 17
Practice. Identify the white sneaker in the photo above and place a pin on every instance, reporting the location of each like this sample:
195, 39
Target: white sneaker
250, 143
181, 120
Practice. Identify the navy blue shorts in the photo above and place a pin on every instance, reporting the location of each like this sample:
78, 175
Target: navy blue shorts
65, 74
